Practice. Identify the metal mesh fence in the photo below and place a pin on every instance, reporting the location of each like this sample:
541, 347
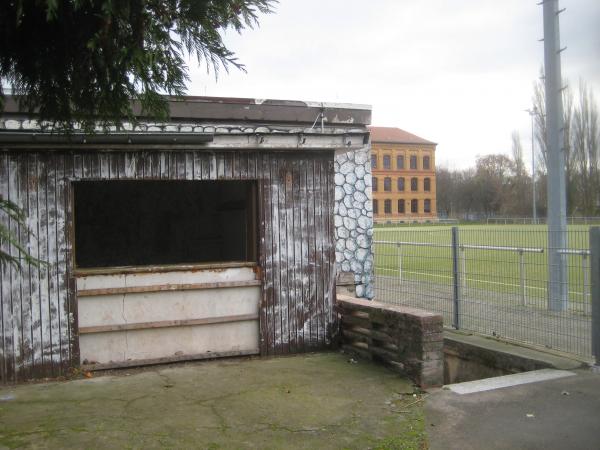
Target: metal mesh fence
492, 280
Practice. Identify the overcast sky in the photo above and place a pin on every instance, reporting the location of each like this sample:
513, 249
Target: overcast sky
457, 72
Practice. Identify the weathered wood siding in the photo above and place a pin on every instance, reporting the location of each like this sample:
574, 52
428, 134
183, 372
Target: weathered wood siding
38, 313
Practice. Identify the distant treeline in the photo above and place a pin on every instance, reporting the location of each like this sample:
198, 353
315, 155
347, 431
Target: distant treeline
500, 185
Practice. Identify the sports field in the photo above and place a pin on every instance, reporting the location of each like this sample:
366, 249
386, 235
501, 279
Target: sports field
495, 270
502, 291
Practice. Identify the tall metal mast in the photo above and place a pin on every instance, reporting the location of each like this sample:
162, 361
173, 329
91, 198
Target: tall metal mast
557, 199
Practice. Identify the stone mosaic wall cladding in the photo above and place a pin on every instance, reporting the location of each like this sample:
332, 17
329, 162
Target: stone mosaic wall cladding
354, 218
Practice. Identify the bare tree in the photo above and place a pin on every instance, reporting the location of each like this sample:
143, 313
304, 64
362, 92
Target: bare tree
517, 152
585, 151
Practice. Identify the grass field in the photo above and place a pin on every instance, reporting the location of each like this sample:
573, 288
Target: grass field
491, 270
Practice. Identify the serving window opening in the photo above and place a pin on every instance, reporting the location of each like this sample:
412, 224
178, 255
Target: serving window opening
142, 223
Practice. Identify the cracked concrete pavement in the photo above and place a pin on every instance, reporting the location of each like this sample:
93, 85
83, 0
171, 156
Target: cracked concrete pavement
307, 401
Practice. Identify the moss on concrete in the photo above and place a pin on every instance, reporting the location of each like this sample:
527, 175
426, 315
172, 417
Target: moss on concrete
309, 401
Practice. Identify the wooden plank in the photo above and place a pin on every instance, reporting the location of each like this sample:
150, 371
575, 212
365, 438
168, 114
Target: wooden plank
62, 173
164, 165
44, 318
264, 212
332, 322
354, 336
197, 166
167, 324
71, 297
181, 165
227, 165
168, 360
166, 287
304, 263
26, 356
290, 237
275, 257
163, 268
130, 162
104, 165
53, 297
318, 231
155, 158
310, 242
140, 167
206, 163
283, 258
244, 159
220, 166
297, 243
7, 350
113, 172
33, 219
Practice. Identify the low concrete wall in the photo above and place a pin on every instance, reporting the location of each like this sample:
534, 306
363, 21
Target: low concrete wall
472, 357
407, 339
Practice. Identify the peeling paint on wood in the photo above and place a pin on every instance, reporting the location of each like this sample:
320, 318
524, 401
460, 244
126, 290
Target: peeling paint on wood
38, 311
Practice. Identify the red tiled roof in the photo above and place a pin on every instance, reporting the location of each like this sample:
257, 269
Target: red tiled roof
396, 136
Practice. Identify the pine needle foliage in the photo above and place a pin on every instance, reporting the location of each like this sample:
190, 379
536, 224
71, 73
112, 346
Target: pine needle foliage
83, 61
12, 252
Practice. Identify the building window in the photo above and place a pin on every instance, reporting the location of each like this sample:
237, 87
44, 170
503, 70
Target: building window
375, 207
427, 184
414, 206
401, 184
400, 162
143, 223
401, 207
387, 184
413, 162
374, 184
387, 206
427, 206
425, 162
373, 161
387, 162
414, 184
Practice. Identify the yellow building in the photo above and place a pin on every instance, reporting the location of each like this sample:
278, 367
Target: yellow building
403, 168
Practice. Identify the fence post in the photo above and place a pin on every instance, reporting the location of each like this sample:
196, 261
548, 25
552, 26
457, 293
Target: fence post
595, 266
400, 262
463, 271
456, 276
522, 277
585, 266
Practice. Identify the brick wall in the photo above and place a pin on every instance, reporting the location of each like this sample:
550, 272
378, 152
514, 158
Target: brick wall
407, 339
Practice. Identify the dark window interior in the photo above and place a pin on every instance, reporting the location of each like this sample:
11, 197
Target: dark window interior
427, 184
373, 161
426, 162
413, 162
400, 162
387, 184
401, 206
387, 206
427, 206
136, 223
400, 184
387, 162
414, 184
414, 206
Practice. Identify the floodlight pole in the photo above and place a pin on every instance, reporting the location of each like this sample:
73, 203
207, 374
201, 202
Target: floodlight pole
533, 112
557, 201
